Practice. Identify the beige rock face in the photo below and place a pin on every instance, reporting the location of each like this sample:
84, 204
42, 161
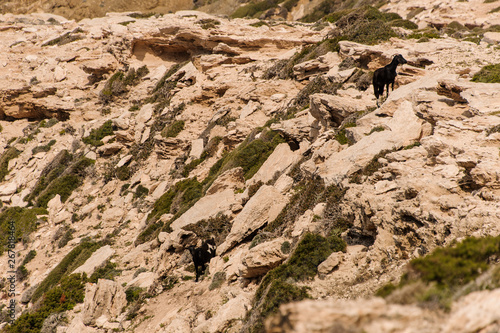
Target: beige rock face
262, 208
206, 207
105, 298
262, 258
97, 259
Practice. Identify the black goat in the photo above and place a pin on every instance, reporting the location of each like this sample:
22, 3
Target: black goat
202, 255
386, 75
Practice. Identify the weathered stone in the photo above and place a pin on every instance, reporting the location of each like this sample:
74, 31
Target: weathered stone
330, 263
109, 149
96, 260
206, 207
230, 179
331, 110
262, 258
105, 298
262, 208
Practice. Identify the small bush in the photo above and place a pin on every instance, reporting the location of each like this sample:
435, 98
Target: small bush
8, 155
277, 286
250, 155
107, 271
176, 200
21, 272
446, 270
96, 135
132, 294
62, 297
217, 227
68, 264
25, 222
173, 129
141, 191
488, 74
217, 280
252, 9
44, 148
208, 23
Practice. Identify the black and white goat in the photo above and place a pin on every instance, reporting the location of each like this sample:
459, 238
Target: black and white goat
386, 75
202, 255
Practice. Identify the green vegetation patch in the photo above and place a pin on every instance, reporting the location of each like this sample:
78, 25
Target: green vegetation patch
434, 279
178, 199
8, 155
209, 151
119, 83
25, 222
217, 227
107, 271
172, 130
97, 134
21, 271
66, 38
68, 264
62, 176
278, 286
308, 193
250, 155
487, 74
208, 23
61, 297
43, 148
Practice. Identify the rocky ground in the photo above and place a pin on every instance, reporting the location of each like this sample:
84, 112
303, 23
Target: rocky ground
124, 140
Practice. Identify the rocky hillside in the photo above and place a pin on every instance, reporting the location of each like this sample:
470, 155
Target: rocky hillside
125, 139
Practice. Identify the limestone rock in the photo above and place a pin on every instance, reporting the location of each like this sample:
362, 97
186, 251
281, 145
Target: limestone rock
262, 258
331, 110
105, 298
262, 208
330, 263
109, 149
475, 312
230, 179
277, 163
143, 280
8, 189
208, 206
96, 260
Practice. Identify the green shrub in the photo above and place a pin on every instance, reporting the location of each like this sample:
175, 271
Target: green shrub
44, 148
487, 74
208, 23
217, 227
446, 270
173, 129
309, 192
64, 296
141, 191
21, 271
96, 135
404, 24
217, 280
123, 173
277, 287
250, 155
178, 199
25, 222
68, 264
132, 294
107, 271
8, 155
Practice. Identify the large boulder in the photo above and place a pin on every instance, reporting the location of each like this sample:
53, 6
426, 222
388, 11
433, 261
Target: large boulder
262, 208
262, 258
331, 110
96, 260
105, 298
207, 207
